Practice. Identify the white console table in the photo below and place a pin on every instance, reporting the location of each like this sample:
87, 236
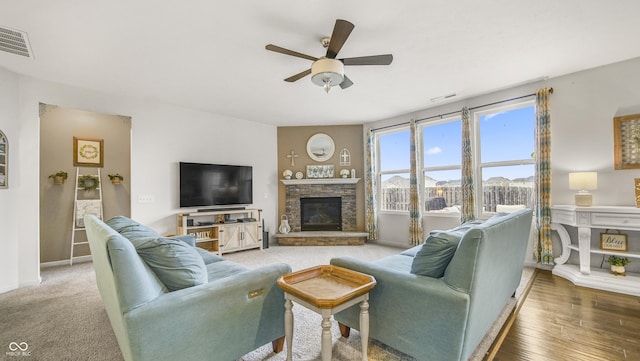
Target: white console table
585, 219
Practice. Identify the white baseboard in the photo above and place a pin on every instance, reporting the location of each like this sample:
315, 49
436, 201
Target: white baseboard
7, 289
31, 283
80, 259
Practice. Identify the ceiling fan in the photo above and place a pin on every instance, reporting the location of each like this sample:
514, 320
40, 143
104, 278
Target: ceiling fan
327, 71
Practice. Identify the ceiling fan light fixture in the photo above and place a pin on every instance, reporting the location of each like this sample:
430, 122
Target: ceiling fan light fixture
327, 73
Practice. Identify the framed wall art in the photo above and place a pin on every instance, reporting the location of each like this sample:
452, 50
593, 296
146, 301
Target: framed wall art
637, 189
613, 242
88, 152
320, 147
626, 142
4, 160
320, 171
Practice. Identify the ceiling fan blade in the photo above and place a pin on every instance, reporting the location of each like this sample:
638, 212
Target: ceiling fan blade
385, 59
280, 50
341, 32
346, 83
300, 75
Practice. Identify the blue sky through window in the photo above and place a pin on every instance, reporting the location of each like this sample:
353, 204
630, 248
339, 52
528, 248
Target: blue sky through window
504, 136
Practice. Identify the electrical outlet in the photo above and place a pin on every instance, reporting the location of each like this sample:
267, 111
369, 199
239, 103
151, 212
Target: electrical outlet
146, 198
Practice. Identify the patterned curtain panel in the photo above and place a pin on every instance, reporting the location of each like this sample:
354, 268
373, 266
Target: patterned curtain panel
415, 207
544, 248
468, 193
371, 203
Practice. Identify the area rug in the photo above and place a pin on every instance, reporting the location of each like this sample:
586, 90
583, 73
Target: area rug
307, 329
64, 317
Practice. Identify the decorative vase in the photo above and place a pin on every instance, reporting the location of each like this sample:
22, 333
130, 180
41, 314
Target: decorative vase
58, 180
618, 270
284, 225
115, 181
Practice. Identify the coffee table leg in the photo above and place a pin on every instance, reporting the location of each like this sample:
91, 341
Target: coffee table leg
364, 328
288, 327
325, 351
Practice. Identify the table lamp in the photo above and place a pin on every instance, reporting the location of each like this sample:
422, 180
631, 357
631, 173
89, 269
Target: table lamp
583, 182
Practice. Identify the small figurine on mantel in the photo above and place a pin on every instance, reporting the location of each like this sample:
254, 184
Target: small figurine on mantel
293, 157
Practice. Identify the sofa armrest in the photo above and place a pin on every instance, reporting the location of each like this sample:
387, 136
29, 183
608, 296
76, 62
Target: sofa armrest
419, 315
226, 318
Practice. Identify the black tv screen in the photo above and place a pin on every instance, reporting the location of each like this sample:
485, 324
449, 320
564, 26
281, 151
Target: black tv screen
205, 185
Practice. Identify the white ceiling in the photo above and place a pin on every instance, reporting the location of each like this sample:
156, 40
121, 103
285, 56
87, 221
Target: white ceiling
210, 55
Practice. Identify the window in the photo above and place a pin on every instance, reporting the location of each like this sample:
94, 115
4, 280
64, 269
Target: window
394, 168
506, 149
503, 144
442, 155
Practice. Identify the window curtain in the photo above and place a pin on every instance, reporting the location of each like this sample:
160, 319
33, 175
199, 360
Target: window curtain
371, 185
467, 213
415, 208
544, 247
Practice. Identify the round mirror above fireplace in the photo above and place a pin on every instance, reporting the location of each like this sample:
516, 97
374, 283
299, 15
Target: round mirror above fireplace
320, 147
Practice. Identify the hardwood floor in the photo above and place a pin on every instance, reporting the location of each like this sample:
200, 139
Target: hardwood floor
559, 321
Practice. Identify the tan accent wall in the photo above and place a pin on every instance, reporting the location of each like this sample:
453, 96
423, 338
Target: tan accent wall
344, 136
58, 126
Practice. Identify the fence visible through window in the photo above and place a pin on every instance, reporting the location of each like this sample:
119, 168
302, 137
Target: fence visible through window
448, 198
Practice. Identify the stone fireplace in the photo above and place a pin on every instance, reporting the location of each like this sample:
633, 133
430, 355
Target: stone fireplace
346, 193
332, 198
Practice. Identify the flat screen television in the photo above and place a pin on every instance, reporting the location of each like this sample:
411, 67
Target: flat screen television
215, 185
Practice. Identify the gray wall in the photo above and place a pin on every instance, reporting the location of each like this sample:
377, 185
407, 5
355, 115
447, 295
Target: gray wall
583, 106
161, 136
10, 196
58, 126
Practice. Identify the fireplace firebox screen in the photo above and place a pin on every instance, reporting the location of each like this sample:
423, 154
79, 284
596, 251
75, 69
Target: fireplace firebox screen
321, 214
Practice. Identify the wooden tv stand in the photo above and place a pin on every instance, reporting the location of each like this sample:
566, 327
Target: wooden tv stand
223, 231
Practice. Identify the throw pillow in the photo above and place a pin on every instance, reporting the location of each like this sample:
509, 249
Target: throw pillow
177, 264
436, 252
129, 228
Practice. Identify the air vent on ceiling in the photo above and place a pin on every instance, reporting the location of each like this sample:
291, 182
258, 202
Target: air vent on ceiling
15, 42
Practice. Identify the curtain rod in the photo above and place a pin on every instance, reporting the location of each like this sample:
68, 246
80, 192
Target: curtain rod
458, 111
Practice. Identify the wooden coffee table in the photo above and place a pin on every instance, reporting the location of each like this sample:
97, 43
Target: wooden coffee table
327, 290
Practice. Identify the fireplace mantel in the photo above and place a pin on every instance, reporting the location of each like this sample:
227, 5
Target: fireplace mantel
320, 181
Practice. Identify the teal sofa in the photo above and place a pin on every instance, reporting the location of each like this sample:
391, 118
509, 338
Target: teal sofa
472, 270
169, 300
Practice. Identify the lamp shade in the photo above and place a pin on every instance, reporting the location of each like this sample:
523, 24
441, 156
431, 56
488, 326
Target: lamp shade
327, 70
583, 180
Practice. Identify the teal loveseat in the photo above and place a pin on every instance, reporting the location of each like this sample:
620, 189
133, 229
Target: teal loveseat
436, 301
169, 300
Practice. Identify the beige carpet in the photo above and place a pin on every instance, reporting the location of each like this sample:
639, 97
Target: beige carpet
64, 318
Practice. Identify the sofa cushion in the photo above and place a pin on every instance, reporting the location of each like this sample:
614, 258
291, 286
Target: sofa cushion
436, 252
433, 257
411, 252
135, 283
177, 264
224, 269
129, 228
207, 256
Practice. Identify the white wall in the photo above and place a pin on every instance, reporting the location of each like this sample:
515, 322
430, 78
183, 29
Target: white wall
162, 135
9, 196
583, 106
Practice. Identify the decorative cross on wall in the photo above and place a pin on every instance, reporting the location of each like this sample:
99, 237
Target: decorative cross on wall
345, 157
293, 157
